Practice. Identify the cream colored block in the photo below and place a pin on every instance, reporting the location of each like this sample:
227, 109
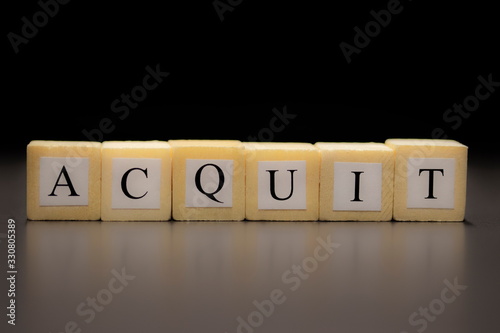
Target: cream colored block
63, 180
356, 181
208, 180
430, 179
282, 181
136, 181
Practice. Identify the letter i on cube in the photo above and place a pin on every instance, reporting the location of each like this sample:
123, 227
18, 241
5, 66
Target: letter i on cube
282, 181
136, 181
63, 180
356, 182
208, 180
430, 179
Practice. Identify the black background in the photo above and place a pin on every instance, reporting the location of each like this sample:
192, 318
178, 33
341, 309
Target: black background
227, 76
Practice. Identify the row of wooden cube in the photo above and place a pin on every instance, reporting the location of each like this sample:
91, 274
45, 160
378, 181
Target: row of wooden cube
403, 179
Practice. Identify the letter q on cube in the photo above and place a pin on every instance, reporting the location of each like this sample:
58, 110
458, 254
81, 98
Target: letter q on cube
208, 180
63, 180
430, 179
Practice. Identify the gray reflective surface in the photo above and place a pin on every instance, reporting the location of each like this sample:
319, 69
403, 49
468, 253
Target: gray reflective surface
257, 276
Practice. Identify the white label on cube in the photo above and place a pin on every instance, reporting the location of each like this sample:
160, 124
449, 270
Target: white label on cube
357, 186
64, 181
431, 183
209, 183
282, 185
136, 183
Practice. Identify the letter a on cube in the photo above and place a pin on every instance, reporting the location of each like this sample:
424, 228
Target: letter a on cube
356, 181
136, 181
282, 181
63, 180
430, 179
208, 180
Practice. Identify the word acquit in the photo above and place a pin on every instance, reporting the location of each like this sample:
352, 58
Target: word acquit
401, 179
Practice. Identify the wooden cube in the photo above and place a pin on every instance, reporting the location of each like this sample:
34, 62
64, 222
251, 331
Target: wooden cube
356, 182
430, 179
63, 180
208, 180
282, 181
136, 181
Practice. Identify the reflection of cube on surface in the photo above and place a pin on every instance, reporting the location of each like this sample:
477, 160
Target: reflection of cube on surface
430, 179
282, 181
356, 182
136, 181
63, 180
208, 180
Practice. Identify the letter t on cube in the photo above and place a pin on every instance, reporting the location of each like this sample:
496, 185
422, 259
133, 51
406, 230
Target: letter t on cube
208, 180
430, 179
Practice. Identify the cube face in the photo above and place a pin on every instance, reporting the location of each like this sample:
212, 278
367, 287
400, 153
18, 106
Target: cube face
136, 181
208, 180
63, 180
356, 182
282, 181
357, 186
209, 183
282, 185
430, 179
